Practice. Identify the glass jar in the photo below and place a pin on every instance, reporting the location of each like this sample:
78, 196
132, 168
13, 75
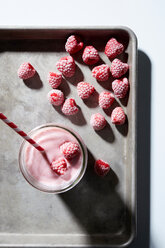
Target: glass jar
36, 182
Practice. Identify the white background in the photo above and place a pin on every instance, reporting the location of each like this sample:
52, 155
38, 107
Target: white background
147, 19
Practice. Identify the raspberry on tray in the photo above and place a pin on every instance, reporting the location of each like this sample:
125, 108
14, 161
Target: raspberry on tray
55, 97
120, 87
54, 79
118, 116
98, 121
69, 107
85, 89
66, 65
73, 44
113, 48
90, 55
69, 150
59, 166
101, 72
26, 70
101, 167
106, 99
118, 68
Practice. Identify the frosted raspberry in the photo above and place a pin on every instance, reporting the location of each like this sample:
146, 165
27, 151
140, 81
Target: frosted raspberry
118, 68
85, 89
118, 116
54, 79
101, 167
70, 150
25, 71
101, 72
55, 97
113, 48
106, 99
97, 121
120, 87
59, 166
73, 44
66, 66
69, 107
90, 55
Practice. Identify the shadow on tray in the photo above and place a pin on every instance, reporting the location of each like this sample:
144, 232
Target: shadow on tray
34, 82
96, 203
143, 151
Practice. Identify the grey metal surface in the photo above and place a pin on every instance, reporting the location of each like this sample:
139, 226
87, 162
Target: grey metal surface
98, 211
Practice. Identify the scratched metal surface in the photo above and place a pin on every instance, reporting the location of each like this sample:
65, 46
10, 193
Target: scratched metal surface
98, 211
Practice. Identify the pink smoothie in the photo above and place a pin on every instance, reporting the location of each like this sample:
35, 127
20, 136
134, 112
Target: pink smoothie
51, 138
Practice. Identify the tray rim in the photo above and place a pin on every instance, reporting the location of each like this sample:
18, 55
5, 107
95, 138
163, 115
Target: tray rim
132, 35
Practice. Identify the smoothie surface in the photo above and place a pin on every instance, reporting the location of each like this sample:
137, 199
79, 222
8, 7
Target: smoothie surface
51, 138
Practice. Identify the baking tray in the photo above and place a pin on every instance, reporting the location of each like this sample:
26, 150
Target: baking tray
98, 211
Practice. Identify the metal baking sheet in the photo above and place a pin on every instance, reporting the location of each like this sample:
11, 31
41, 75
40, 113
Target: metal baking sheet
98, 211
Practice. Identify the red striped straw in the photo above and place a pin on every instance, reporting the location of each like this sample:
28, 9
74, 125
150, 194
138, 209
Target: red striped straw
21, 133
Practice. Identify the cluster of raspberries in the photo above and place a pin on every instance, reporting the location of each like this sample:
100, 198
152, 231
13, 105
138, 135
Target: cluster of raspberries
69, 150
67, 67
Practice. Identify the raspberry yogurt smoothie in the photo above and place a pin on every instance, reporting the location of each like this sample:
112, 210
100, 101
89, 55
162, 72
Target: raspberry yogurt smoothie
37, 168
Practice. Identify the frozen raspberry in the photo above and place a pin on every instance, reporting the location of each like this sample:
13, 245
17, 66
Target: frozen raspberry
25, 71
118, 116
85, 89
54, 79
106, 99
97, 121
101, 72
59, 166
66, 66
118, 68
56, 97
73, 44
90, 55
69, 107
70, 150
101, 167
113, 48
120, 87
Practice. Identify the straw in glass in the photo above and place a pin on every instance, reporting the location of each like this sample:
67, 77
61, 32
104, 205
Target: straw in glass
21, 133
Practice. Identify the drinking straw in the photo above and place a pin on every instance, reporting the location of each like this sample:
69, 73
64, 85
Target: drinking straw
21, 133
